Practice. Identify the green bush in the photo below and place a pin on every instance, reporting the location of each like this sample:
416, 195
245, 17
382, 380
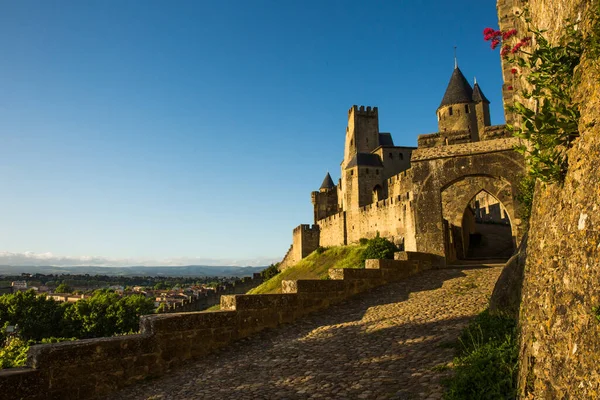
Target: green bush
14, 353
63, 288
379, 248
596, 311
270, 271
321, 250
486, 328
487, 364
525, 190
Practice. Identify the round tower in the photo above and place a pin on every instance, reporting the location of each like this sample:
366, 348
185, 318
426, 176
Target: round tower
457, 109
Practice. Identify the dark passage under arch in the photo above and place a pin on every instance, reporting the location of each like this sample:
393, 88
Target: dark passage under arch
485, 232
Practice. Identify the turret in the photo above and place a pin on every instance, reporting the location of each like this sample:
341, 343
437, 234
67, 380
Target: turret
362, 133
482, 109
325, 201
327, 183
457, 109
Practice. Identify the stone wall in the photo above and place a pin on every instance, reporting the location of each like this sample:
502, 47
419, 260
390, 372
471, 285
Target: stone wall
391, 218
560, 337
333, 230
394, 159
437, 169
205, 300
94, 367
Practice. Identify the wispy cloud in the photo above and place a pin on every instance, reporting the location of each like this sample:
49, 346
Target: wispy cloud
33, 259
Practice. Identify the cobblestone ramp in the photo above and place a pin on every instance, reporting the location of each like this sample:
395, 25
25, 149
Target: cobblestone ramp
386, 344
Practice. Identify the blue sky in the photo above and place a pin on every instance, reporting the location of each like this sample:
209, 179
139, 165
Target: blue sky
196, 130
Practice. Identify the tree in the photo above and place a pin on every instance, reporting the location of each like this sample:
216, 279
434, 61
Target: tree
63, 288
270, 271
107, 314
37, 316
379, 248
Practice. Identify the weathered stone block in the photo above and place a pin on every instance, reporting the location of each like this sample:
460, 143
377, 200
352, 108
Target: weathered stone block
23, 383
312, 286
188, 321
354, 273
259, 301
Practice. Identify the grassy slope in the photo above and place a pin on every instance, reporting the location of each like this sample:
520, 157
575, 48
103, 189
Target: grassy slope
315, 266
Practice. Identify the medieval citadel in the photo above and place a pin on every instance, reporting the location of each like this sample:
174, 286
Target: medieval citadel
456, 188
433, 200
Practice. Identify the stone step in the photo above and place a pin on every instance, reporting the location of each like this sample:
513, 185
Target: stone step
354, 273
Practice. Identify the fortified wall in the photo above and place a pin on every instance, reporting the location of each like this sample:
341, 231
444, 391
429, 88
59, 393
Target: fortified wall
92, 368
205, 300
426, 198
560, 334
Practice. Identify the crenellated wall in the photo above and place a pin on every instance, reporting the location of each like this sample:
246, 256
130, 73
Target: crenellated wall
333, 230
92, 368
203, 301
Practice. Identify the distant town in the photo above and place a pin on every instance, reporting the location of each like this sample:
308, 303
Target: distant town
165, 291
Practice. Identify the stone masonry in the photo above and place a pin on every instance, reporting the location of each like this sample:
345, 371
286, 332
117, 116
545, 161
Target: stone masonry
391, 343
92, 368
398, 191
560, 335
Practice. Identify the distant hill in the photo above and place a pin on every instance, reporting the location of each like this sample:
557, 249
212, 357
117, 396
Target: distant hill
188, 270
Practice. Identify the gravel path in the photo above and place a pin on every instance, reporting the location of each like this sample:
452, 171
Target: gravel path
390, 343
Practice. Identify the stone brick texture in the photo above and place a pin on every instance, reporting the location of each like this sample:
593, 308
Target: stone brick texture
560, 337
92, 368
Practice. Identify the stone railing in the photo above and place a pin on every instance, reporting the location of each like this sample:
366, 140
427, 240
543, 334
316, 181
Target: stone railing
94, 367
203, 301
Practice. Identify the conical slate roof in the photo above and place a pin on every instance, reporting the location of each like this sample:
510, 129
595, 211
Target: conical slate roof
458, 90
327, 182
478, 95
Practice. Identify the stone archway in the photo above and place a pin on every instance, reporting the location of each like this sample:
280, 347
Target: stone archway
477, 216
446, 179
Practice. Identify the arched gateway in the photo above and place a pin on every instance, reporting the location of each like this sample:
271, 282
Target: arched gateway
452, 196
452, 177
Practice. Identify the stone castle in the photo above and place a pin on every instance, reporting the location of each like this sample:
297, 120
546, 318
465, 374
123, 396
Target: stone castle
429, 198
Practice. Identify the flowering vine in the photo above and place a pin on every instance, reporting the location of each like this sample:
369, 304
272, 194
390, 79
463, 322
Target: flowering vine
552, 123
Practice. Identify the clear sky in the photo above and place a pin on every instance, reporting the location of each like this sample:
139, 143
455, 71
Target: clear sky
191, 131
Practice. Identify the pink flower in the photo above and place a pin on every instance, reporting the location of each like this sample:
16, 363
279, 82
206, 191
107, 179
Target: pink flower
505, 50
510, 88
495, 43
517, 47
488, 31
508, 34
513, 71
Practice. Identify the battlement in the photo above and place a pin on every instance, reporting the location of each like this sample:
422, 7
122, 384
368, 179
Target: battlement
362, 111
407, 174
306, 228
495, 132
331, 218
443, 138
483, 147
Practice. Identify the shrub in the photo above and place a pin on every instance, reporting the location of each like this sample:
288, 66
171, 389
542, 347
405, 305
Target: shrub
379, 248
596, 311
321, 249
487, 364
14, 353
525, 190
363, 241
270, 271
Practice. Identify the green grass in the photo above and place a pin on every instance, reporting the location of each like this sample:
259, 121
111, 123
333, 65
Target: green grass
487, 364
315, 266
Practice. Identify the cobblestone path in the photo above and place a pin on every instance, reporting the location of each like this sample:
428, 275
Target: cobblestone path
386, 344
